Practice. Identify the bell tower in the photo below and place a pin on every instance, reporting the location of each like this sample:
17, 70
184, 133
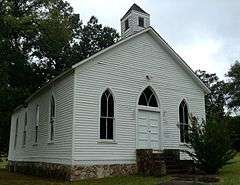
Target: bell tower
135, 20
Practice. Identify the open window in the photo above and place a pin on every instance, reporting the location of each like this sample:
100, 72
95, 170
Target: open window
107, 116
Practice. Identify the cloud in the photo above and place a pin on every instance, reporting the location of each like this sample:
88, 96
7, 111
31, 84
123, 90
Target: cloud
205, 33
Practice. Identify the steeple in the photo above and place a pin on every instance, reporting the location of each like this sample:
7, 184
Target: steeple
136, 19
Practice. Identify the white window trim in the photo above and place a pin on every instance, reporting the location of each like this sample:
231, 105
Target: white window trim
16, 133
184, 124
36, 129
50, 139
25, 129
107, 141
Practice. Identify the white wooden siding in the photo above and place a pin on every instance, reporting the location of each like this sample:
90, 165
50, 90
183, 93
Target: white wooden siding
123, 70
61, 150
133, 23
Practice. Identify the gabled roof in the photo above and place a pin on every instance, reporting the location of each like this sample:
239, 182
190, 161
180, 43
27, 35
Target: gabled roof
161, 41
155, 36
136, 8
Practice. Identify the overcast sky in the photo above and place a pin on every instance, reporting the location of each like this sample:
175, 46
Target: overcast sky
206, 33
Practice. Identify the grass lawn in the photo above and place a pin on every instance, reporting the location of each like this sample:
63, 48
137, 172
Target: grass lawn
230, 175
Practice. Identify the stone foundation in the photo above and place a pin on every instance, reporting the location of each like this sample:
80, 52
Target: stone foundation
149, 164
52, 170
100, 171
71, 173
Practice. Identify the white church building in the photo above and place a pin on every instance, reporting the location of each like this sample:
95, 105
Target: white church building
89, 121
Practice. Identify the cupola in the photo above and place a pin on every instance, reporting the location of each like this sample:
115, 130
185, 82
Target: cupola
135, 20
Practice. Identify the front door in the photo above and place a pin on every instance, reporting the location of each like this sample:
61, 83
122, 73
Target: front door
148, 129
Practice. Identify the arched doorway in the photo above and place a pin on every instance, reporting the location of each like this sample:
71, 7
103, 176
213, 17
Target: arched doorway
148, 120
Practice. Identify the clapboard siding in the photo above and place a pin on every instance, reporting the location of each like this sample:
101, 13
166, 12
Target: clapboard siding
123, 70
61, 150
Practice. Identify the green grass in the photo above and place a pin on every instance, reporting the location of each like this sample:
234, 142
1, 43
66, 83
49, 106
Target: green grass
230, 174
3, 163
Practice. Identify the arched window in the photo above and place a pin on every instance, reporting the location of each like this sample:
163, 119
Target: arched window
148, 98
25, 129
37, 123
107, 115
52, 117
16, 134
183, 119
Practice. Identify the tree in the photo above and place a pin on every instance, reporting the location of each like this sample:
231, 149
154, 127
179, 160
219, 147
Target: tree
211, 144
233, 125
214, 101
39, 39
233, 87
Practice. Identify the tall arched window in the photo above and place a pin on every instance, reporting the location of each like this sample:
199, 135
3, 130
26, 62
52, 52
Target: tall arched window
25, 129
52, 117
37, 123
148, 98
183, 119
16, 134
107, 116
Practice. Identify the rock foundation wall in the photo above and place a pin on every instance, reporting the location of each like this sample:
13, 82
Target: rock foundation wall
71, 173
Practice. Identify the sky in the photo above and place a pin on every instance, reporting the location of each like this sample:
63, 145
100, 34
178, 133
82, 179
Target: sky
205, 33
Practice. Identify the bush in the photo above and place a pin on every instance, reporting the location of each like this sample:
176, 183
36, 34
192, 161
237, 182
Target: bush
211, 145
233, 124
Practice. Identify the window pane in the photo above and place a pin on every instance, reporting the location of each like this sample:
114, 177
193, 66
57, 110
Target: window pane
142, 100
25, 119
36, 134
181, 114
148, 92
37, 115
186, 134
126, 24
103, 128
110, 106
104, 105
182, 133
52, 130
141, 21
185, 114
52, 107
153, 101
109, 128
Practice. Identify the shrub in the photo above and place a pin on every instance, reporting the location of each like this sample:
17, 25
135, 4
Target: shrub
211, 145
233, 124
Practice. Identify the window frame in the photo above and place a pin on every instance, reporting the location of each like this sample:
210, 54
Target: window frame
183, 124
141, 20
148, 99
126, 24
25, 129
105, 140
37, 119
16, 133
52, 120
